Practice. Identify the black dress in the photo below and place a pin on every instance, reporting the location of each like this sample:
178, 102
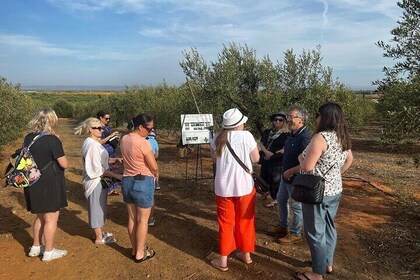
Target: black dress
271, 169
48, 194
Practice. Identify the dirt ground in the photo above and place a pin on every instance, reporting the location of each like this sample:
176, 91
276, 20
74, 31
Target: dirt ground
378, 224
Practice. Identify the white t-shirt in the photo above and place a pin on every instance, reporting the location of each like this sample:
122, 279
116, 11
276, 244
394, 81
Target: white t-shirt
95, 162
231, 179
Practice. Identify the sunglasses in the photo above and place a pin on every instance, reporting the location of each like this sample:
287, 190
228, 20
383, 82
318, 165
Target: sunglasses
278, 120
107, 119
148, 128
100, 128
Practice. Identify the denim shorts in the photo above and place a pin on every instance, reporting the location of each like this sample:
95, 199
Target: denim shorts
138, 192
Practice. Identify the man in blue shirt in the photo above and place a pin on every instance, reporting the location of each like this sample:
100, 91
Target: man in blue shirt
297, 142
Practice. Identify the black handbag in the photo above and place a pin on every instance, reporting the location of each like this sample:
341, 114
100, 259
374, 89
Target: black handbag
260, 185
309, 188
106, 182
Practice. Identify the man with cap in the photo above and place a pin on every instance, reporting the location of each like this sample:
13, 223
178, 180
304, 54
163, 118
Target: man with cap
296, 143
234, 189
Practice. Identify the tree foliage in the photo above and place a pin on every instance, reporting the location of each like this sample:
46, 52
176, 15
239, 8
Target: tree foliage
400, 104
404, 47
258, 87
16, 110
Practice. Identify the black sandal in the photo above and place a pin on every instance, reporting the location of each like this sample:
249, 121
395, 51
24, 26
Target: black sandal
146, 255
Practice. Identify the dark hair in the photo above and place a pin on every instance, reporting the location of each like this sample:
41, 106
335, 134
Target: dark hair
332, 119
141, 119
101, 113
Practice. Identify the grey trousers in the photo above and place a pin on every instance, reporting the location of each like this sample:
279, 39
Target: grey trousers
97, 204
321, 235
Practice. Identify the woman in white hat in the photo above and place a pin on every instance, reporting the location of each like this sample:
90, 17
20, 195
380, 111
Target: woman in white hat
234, 189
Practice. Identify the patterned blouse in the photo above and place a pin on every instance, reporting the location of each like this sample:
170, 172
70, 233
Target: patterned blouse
333, 157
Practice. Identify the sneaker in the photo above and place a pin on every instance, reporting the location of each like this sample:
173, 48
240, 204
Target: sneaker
53, 254
152, 222
290, 238
277, 231
36, 251
157, 187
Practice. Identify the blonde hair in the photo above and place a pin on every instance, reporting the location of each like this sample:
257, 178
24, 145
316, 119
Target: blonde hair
45, 120
83, 127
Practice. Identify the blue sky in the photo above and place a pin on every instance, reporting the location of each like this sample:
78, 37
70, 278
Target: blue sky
140, 42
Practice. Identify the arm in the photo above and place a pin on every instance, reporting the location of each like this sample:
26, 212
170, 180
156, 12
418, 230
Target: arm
348, 162
289, 172
313, 152
213, 155
104, 140
63, 162
255, 156
151, 163
109, 173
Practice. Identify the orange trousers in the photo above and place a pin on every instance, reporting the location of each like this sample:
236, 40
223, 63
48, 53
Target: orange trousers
236, 217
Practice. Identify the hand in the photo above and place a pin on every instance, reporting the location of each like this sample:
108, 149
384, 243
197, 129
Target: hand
268, 154
288, 174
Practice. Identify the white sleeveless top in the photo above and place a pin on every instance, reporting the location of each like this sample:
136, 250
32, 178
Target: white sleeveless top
335, 157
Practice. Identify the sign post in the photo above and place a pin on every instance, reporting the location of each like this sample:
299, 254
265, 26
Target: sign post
196, 129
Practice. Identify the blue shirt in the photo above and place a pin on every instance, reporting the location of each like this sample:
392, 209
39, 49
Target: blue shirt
294, 146
153, 142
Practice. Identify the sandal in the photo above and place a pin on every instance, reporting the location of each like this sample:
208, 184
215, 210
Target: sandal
216, 265
147, 255
271, 204
241, 256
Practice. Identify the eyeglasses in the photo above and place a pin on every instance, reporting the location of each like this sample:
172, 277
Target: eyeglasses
100, 128
278, 120
289, 117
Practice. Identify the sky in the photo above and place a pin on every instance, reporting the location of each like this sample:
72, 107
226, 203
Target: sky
141, 42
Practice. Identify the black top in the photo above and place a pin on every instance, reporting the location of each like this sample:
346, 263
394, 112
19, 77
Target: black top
48, 194
275, 145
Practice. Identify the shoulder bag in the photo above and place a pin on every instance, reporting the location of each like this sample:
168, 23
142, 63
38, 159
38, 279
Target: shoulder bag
309, 188
260, 185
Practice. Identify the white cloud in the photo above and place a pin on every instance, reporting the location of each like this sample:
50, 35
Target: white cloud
33, 44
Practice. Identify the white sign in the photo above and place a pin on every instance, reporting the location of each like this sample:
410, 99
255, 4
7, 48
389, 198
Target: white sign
196, 128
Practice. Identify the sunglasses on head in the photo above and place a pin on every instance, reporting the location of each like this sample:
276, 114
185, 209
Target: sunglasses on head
97, 127
278, 120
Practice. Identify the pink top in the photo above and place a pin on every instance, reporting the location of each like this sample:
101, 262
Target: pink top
133, 149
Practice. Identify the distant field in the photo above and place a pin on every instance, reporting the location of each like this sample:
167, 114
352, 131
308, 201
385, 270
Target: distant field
50, 97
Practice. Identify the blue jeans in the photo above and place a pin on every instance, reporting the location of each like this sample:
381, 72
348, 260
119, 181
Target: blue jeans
320, 232
138, 192
283, 196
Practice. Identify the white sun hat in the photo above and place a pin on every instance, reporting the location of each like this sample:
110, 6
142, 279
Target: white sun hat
233, 118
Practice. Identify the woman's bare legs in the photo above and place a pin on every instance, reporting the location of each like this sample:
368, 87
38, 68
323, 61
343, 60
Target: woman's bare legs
38, 229
50, 228
98, 235
142, 216
131, 226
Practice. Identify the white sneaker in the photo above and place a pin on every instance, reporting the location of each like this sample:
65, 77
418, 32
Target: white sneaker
53, 254
36, 251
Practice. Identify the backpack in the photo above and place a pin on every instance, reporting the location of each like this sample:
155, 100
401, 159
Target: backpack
7, 166
26, 172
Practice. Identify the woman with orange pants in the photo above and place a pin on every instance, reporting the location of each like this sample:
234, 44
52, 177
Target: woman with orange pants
234, 189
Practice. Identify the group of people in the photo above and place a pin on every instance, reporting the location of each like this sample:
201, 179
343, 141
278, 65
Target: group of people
47, 196
283, 153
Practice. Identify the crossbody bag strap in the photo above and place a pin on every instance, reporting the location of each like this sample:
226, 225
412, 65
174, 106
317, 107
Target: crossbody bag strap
235, 156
